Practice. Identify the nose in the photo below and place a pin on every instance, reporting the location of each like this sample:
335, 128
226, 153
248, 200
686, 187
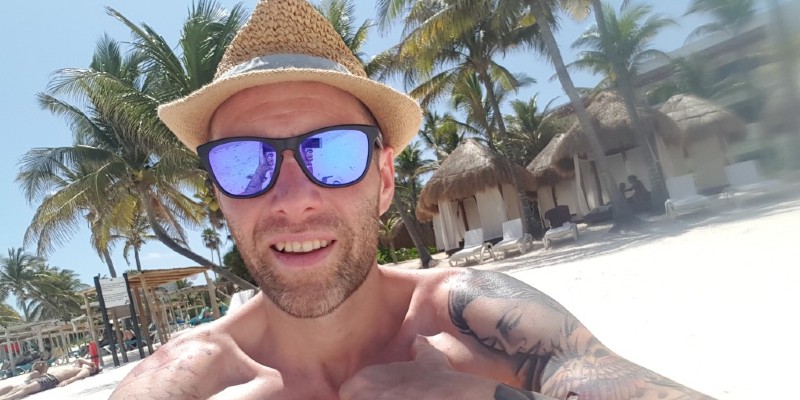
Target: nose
294, 196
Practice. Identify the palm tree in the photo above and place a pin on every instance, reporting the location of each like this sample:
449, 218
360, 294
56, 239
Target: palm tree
624, 41
631, 34
134, 235
113, 167
440, 133
529, 129
341, 14
409, 166
8, 315
543, 14
212, 241
17, 274
448, 41
387, 230
143, 158
730, 16
53, 295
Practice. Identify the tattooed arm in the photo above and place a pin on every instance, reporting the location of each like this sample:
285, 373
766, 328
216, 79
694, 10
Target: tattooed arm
561, 358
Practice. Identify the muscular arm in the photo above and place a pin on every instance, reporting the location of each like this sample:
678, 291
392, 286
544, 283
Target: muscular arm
555, 354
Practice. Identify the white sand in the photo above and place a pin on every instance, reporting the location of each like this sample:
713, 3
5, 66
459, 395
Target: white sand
708, 301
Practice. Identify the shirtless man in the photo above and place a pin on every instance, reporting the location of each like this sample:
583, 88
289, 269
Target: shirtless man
330, 323
59, 376
38, 369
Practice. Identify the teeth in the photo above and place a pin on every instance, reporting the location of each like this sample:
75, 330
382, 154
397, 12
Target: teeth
301, 247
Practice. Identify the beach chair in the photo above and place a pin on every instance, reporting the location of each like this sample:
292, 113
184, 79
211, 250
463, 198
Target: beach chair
513, 239
474, 248
745, 181
683, 197
561, 226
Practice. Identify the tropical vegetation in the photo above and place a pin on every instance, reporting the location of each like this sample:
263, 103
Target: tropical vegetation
128, 180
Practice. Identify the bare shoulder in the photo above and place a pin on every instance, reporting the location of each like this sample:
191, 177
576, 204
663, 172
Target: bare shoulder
179, 369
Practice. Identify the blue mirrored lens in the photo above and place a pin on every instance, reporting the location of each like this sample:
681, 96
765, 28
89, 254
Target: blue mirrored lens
243, 167
337, 157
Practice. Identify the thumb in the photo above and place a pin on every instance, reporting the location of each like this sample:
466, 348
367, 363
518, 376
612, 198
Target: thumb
424, 352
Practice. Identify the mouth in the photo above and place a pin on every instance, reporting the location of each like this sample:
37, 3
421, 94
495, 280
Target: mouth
301, 247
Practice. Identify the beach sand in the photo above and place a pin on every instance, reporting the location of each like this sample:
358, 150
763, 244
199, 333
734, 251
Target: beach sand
708, 300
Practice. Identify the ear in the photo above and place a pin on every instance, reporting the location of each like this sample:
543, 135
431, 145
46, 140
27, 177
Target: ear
386, 174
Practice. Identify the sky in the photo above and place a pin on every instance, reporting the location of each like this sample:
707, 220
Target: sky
45, 36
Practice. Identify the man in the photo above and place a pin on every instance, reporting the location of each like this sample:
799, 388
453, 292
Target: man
329, 322
59, 376
38, 369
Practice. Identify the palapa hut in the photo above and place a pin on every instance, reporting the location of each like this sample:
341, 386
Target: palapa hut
555, 179
619, 142
471, 189
701, 148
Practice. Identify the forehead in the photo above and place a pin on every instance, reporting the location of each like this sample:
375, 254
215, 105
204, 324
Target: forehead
286, 109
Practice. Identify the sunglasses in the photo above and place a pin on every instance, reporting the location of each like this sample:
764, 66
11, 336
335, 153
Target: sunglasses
332, 157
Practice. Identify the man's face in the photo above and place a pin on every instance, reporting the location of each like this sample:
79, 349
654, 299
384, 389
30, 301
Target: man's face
327, 236
309, 154
271, 159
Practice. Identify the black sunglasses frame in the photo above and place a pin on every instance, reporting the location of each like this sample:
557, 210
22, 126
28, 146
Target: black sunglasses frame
293, 143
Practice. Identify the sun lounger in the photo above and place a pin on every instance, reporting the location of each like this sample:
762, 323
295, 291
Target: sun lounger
561, 226
746, 182
683, 197
474, 247
513, 239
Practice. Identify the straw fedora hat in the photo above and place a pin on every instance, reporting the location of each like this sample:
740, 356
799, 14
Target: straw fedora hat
285, 41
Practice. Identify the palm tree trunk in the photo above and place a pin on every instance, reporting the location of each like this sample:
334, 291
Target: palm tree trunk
136, 257
621, 211
111, 270
505, 154
625, 88
164, 238
392, 251
411, 227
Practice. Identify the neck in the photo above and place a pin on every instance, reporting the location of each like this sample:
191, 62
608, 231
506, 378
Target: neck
358, 333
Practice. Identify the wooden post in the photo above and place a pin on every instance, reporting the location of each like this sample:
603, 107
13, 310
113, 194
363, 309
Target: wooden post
150, 299
212, 294
145, 320
89, 317
120, 339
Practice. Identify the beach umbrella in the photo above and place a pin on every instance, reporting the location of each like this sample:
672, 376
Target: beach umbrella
469, 169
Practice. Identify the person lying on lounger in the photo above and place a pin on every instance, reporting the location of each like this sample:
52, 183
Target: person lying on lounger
37, 369
60, 376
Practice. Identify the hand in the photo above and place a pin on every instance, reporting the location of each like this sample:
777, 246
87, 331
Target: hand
428, 376
62, 384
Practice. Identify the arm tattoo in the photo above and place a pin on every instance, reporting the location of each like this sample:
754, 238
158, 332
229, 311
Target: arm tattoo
505, 392
559, 357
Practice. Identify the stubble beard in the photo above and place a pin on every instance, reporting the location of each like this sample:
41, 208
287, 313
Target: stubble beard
319, 292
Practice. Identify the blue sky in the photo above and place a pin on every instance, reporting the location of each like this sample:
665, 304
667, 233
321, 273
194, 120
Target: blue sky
44, 36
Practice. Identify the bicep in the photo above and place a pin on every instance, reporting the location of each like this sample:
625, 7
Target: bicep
551, 351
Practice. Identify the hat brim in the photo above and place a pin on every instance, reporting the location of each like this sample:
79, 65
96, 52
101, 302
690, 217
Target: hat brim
398, 115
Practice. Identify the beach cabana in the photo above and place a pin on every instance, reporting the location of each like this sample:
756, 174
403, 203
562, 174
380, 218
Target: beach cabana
555, 180
471, 189
619, 142
701, 148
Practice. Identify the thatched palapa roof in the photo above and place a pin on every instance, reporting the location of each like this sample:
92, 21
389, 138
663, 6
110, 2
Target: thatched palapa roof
469, 169
543, 167
697, 118
614, 128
